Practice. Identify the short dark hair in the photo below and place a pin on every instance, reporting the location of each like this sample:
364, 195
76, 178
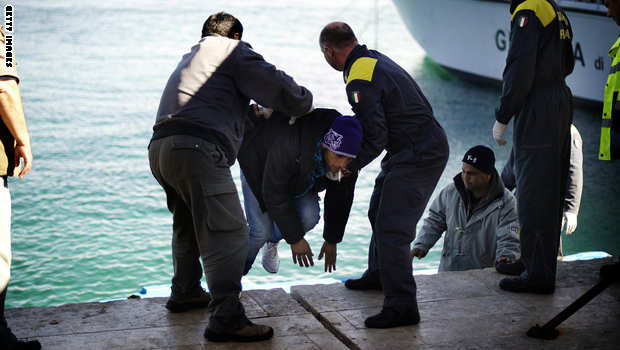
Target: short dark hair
222, 23
337, 34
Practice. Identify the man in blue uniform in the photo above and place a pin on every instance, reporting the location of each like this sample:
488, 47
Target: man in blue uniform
535, 92
395, 117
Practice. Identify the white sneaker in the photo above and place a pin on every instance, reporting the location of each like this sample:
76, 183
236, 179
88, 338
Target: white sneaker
271, 260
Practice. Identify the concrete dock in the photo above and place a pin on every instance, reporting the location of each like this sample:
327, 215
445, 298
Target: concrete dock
459, 310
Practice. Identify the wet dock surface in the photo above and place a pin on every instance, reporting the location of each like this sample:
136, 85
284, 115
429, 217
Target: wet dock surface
459, 310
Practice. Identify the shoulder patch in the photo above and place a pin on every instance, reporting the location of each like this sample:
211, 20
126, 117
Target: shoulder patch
514, 229
362, 69
542, 8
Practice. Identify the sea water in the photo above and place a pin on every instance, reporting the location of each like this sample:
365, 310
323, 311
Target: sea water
90, 223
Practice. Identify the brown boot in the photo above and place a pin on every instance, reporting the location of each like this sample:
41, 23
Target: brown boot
248, 333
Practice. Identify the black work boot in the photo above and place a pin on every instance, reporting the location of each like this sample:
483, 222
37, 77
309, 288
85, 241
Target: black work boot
251, 332
392, 317
513, 268
520, 285
199, 301
363, 283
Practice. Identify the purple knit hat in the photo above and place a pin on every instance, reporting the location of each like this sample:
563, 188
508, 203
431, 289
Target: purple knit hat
344, 136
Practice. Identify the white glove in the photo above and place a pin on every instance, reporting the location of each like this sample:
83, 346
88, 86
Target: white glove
570, 220
498, 133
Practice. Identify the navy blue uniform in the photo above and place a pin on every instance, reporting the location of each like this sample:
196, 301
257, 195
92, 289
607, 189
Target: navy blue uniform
396, 117
535, 92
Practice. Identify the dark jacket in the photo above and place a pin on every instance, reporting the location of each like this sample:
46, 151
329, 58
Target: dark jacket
534, 87
393, 111
279, 162
207, 95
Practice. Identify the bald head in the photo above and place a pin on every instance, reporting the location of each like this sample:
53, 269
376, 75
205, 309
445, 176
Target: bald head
337, 41
337, 35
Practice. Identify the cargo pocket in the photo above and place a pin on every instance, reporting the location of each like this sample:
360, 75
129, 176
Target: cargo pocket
224, 213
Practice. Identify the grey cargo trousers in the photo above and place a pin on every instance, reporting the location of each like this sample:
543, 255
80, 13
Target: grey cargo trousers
208, 224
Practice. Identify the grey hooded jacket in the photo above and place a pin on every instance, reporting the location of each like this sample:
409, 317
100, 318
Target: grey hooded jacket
475, 234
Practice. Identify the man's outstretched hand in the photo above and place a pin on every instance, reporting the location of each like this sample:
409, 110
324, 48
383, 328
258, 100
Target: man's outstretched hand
302, 254
329, 250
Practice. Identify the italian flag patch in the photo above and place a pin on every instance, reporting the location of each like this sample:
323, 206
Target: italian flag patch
356, 96
522, 21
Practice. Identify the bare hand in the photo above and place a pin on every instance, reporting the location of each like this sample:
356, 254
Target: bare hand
302, 254
262, 112
23, 152
504, 259
330, 252
418, 252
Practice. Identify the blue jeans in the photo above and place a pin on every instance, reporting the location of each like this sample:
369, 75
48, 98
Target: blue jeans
262, 227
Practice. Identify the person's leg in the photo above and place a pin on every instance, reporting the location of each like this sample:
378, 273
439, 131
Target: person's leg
7, 338
308, 209
370, 279
199, 173
406, 192
401, 203
5, 234
259, 223
540, 203
186, 292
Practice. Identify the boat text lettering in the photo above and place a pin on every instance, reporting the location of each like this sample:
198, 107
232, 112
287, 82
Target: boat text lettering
579, 55
501, 44
500, 40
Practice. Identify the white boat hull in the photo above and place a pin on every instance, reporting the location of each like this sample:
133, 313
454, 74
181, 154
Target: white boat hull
472, 36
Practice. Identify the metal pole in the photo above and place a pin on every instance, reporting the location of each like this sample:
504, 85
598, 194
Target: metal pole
609, 275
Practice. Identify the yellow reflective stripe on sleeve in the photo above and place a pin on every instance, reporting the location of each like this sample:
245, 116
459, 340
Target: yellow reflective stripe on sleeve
362, 69
605, 148
613, 86
542, 8
610, 90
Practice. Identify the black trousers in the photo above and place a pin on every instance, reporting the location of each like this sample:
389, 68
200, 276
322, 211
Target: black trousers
397, 203
541, 179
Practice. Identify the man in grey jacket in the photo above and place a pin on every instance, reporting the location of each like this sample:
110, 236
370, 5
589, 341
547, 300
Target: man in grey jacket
198, 132
478, 215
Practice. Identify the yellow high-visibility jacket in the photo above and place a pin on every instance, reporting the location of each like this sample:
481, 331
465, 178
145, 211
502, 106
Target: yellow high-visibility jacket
611, 108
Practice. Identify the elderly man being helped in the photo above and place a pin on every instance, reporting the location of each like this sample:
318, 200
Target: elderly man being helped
478, 215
